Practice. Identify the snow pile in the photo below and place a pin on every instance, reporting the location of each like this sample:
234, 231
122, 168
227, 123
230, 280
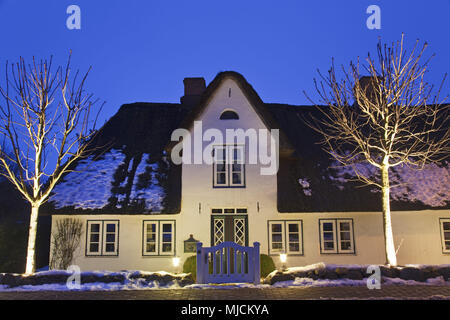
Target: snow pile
89, 187
59, 280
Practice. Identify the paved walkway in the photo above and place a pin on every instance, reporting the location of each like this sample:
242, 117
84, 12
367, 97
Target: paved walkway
360, 292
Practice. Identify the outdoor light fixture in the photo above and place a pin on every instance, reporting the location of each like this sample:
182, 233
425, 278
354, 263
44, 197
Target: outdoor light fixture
283, 259
176, 261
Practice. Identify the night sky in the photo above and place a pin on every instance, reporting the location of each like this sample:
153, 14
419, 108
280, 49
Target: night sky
142, 50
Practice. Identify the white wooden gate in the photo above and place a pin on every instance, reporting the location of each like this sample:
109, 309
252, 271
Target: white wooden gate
228, 262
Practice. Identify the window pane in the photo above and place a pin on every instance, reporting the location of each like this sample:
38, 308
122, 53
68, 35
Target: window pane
277, 246
93, 247
328, 226
237, 178
167, 247
345, 235
221, 178
241, 210
151, 227
293, 237
237, 154
167, 227
220, 167
276, 227
237, 167
110, 237
346, 245
110, 227
220, 153
95, 227
95, 237
167, 237
276, 237
151, 237
446, 225
345, 226
229, 210
110, 247
447, 235
328, 245
447, 245
294, 247
328, 236
151, 247
293, 227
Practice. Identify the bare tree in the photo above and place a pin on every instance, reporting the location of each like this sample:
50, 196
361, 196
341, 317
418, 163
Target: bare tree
389, 118
46, 119
65, 240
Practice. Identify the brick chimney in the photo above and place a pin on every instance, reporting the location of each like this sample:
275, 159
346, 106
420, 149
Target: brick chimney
193, 90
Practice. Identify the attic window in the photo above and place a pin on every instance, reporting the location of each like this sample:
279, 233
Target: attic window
229, 115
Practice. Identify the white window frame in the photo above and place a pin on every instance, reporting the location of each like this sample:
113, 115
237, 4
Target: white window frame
300, 237
159, 238
144, 244
339, 231
441, 227
116, 238
285, 237
228, 162
102, 238
336, 223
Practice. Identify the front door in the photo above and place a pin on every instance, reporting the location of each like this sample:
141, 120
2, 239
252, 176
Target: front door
229, 228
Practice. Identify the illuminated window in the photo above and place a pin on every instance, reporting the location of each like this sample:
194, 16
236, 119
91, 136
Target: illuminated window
102, 238
336, 236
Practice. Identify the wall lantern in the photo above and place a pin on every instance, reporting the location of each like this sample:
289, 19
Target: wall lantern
176, 261
283, 259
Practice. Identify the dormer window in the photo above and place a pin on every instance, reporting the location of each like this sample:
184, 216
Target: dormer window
229, 115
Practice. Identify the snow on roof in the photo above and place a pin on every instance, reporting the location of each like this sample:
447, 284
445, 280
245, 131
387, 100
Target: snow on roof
94, 182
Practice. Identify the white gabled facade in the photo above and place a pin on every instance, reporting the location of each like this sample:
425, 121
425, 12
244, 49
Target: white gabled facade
340, 238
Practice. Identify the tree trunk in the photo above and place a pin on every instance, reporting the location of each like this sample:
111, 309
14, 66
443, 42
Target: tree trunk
32, 231
391, 258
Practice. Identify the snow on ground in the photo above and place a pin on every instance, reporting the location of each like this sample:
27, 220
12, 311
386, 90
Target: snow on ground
135, 280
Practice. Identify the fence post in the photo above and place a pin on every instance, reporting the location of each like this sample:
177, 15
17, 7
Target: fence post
200, 273
256, 264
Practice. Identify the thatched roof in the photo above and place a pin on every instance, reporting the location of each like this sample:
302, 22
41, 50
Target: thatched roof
133, 167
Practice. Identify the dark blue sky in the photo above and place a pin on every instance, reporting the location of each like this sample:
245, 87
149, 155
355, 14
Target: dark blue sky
141, 50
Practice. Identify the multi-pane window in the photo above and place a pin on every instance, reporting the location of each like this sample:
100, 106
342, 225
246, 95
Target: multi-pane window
158, 238
445, 234
285, 236
102, 238
336, 236
228, 166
